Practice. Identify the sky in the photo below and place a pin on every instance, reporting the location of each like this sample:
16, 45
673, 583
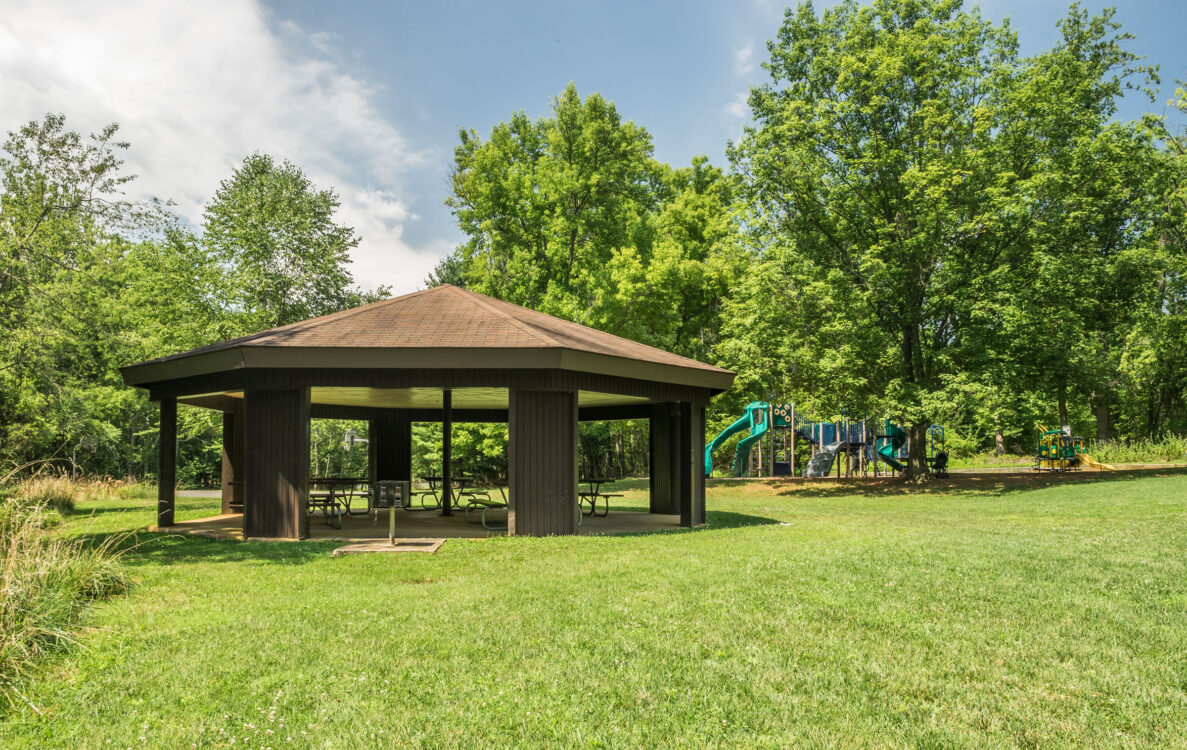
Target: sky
368, 97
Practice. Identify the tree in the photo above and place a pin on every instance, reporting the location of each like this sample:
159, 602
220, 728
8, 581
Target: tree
571, 216
545, 203
906, 163
275, 232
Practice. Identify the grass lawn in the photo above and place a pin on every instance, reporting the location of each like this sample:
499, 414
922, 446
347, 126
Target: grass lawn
1039, 613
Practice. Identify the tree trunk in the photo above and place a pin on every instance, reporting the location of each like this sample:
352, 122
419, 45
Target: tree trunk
1062, 406
1104, 429
917, 453
999, 440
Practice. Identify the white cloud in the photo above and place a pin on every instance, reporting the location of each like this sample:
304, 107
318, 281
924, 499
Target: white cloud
739, 106
744, 59
198, 86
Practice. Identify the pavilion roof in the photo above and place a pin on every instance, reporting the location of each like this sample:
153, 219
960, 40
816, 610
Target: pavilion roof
438, 327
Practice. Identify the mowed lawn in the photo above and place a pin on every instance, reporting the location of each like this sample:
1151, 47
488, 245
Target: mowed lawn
1038, 613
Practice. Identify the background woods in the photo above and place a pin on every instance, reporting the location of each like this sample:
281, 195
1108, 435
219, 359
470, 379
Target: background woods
920, 223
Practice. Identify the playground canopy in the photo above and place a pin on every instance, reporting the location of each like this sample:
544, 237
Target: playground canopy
444, 354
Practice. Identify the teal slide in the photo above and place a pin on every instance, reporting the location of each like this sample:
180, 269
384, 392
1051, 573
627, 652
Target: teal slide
743, 423
890, 448
755, 419
742, 452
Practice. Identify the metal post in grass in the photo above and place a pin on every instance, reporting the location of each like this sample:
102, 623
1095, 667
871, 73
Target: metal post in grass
397, 500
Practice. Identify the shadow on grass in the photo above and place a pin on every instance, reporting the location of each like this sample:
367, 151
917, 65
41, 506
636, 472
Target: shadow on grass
146, 548
83, 510
718, 520
974, 483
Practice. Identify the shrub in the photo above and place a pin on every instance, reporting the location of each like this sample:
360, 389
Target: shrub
47, 581
1170, 449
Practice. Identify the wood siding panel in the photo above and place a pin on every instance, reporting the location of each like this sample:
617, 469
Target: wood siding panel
686, 464
391, 444
233, 461
167, 473
660, 459
698, 464
277, 478
542, 463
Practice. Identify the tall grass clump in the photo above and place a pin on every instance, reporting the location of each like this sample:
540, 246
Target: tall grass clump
46, 581
1171, 449
58, 493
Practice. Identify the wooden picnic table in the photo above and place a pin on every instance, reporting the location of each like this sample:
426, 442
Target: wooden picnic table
335, 499
478, 500
592, 494
458, 483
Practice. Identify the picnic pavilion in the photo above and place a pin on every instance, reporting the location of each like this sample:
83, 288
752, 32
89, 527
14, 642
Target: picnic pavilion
444, 355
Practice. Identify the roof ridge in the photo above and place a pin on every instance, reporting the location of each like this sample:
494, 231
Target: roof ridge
305, 325
480, 299
607, 333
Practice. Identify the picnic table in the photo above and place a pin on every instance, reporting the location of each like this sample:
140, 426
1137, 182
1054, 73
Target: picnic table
478, 500
459, 483
593, 494
333, 496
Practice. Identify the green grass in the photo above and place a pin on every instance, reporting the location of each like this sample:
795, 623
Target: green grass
1046, 613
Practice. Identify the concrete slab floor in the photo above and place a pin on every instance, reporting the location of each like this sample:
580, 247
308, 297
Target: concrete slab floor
417, 525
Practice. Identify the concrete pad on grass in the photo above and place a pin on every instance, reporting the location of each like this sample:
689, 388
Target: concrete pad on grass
382, 545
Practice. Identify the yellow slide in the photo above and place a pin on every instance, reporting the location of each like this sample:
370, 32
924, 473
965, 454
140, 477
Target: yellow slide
1092, 463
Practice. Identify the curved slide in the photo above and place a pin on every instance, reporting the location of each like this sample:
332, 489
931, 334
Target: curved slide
743, 423
755, 419
887, 451
742, 452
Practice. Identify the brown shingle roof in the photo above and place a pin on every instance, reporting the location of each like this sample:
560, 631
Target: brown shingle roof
446, 317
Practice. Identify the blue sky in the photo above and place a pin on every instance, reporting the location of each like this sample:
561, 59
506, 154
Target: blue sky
368, 96
677, 68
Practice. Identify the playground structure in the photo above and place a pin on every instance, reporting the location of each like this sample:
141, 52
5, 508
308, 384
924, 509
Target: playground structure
1060, 450
850, 448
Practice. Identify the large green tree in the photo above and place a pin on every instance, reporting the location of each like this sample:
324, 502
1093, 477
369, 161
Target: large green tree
906, 163
570, 214
276, 233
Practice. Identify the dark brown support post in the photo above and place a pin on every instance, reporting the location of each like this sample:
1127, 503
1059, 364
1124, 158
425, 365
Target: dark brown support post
167, 474
685, 484
665, 459
232, 474
277, 463
446, 452
542, 462
660, 459
698, 475
391, 445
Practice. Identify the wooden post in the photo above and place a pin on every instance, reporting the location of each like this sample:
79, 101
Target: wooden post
446, 452
836, 459
167, 475
276, 503
542, 463
660, 460
698, 477
792, 456
771, 436
234, 445
685, 491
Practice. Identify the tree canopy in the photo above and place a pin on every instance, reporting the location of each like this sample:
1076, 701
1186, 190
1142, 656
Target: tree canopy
920, 223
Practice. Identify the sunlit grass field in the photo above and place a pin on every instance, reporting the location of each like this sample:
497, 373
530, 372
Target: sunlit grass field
1044, 612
